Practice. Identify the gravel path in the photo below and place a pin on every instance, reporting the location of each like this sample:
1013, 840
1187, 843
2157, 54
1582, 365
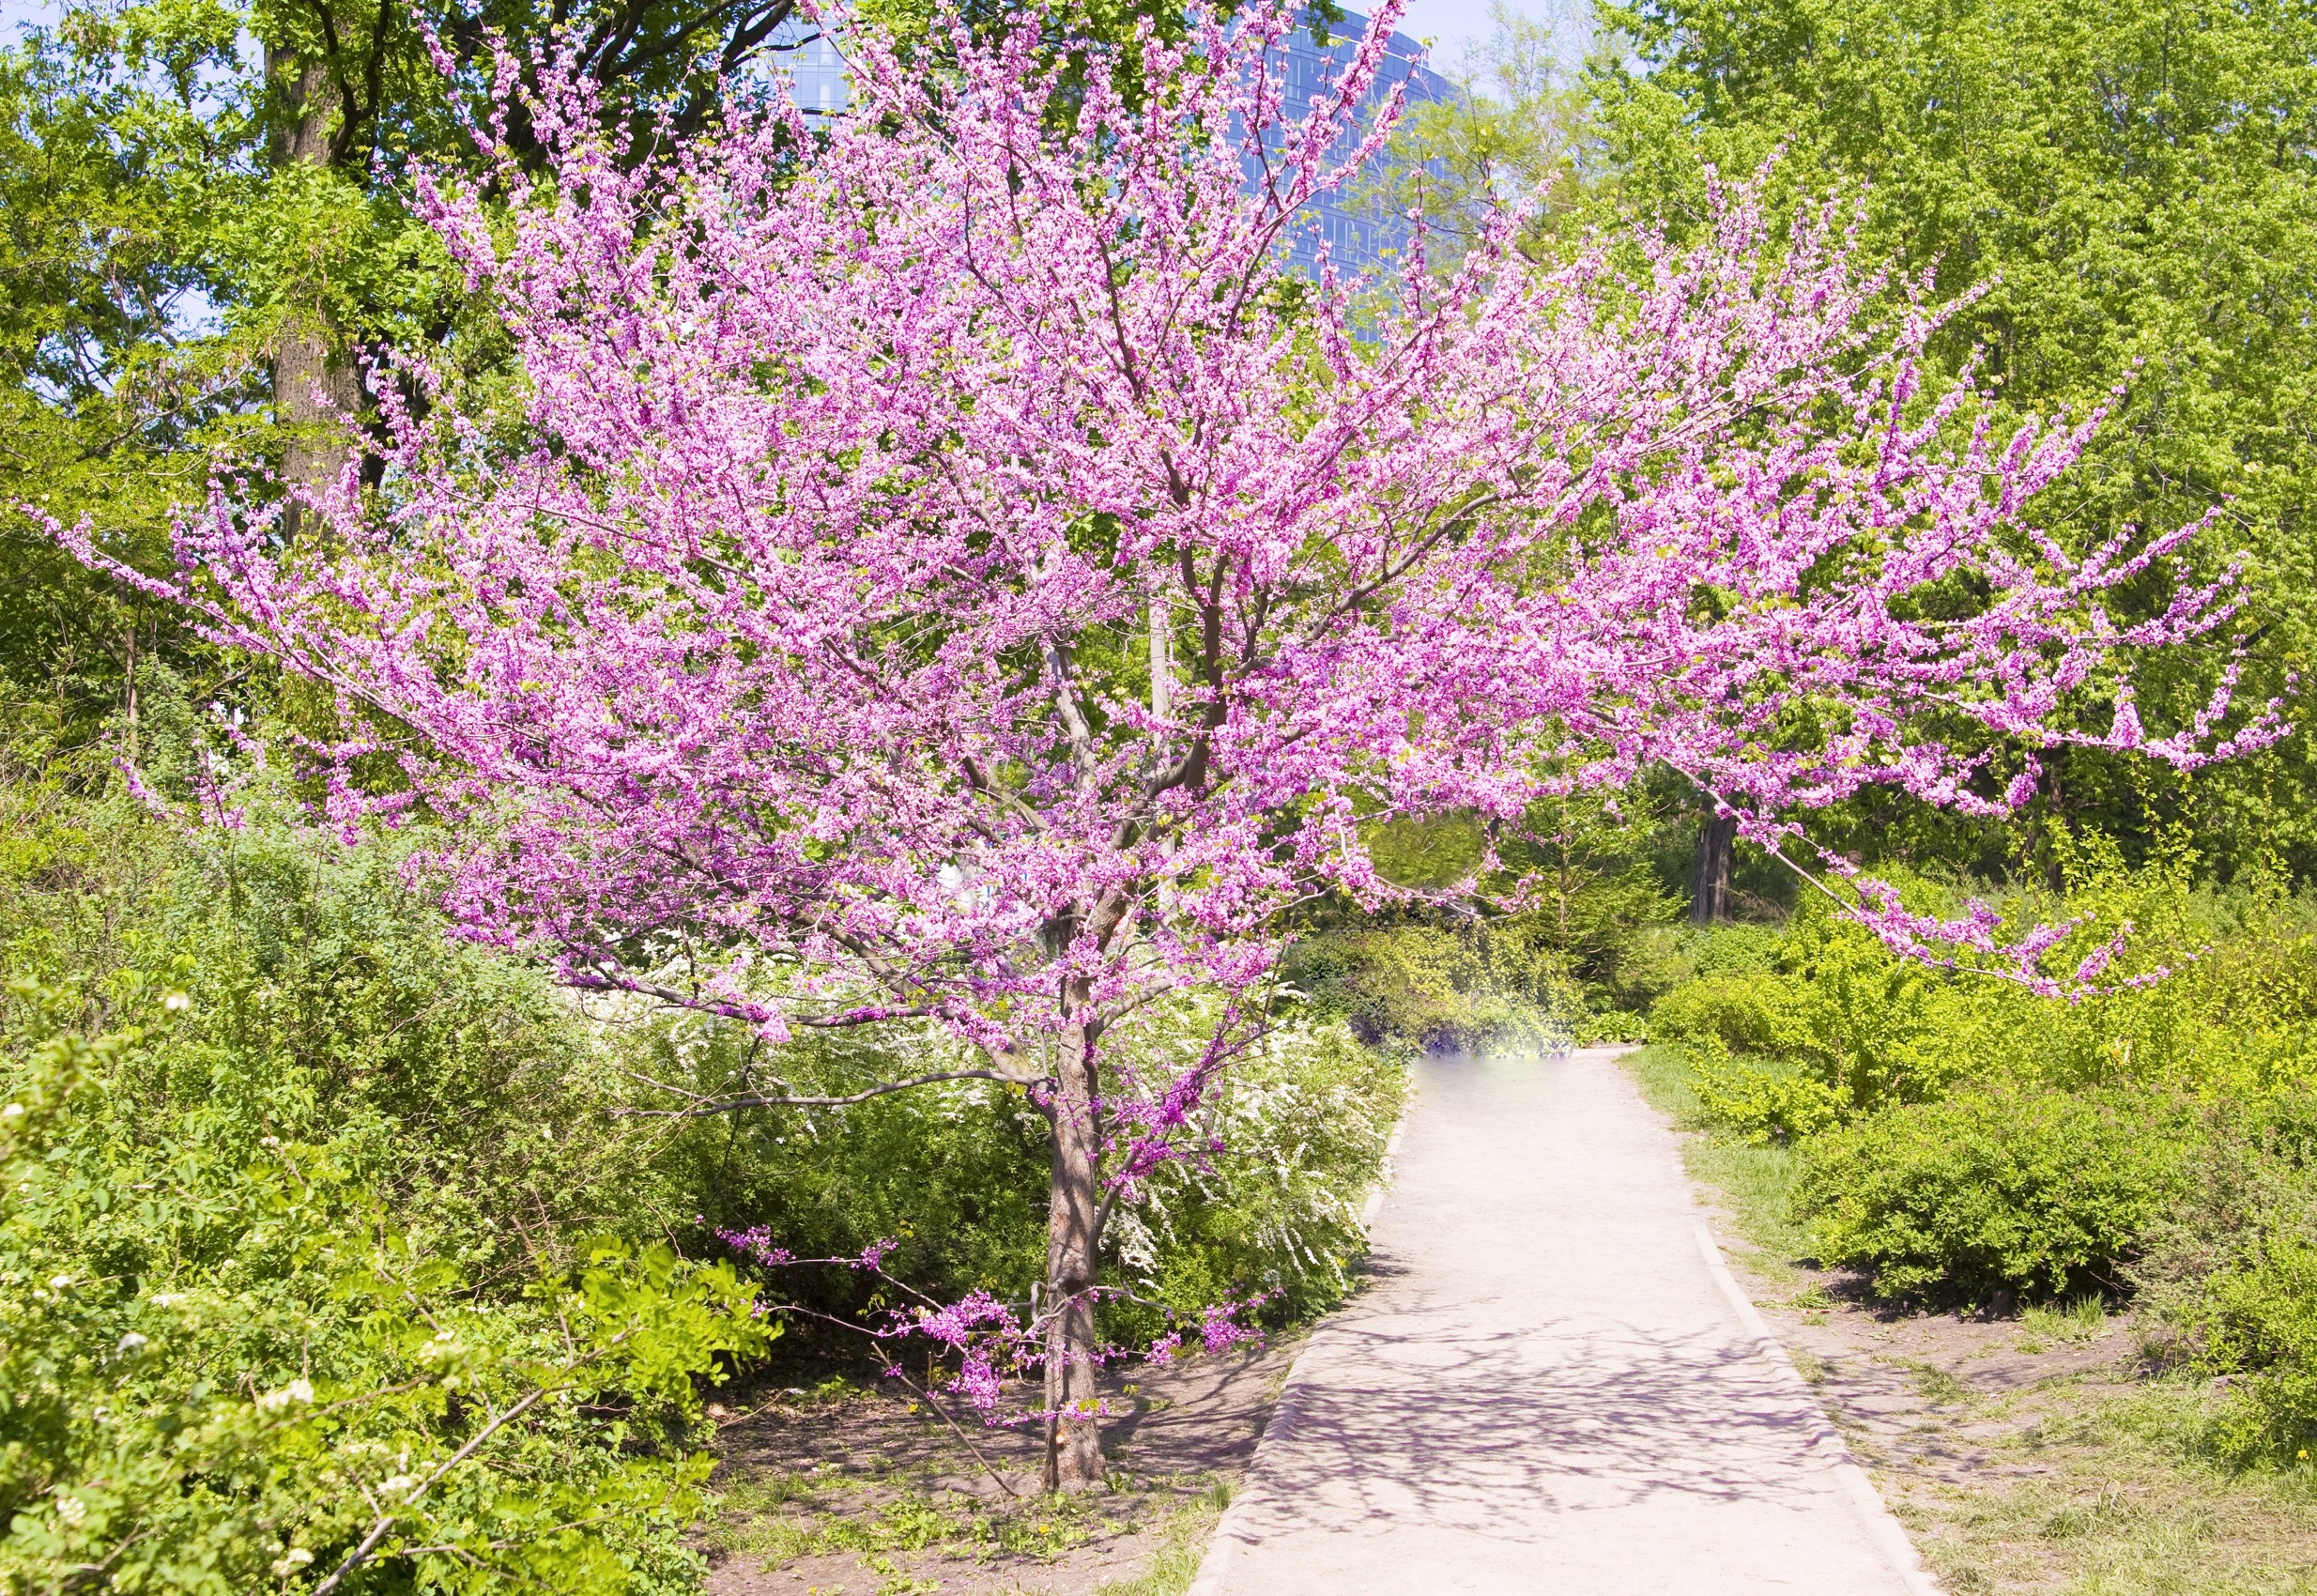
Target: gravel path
1550, 1386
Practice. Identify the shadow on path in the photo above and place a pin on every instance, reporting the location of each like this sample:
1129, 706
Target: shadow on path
1542, 1390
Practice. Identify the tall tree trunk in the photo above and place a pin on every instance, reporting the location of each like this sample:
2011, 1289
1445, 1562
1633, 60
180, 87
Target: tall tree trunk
1073, 1430
315, 384
1717, 835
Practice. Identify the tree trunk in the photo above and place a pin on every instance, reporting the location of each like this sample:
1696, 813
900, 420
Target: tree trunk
1709, 877
1073, 1429
314, 385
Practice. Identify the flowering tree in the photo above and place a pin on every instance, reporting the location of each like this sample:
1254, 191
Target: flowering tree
943, 568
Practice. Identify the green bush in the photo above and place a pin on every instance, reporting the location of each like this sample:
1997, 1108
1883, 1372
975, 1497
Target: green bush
1756, 1103
1804, 1026
2229, 1283
2037, 1193
1745, 1013
225, 1366
1416, 986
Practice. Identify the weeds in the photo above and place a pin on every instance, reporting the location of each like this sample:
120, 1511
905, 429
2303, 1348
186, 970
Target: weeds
1182, 1548
2076, 1321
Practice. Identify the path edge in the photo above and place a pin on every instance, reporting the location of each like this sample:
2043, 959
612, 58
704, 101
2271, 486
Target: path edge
1882, 1526
1225, 1538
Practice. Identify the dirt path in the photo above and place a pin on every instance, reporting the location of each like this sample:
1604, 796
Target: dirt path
1551, 1389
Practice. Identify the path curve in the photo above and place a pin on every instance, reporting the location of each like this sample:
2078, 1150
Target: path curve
1550, 1386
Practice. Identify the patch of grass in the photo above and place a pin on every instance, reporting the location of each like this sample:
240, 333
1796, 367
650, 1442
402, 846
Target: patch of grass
778, 1519
768, 1493
2125, 1502
1932, 1383
1664, 1076
2080, 1320
1182, 1548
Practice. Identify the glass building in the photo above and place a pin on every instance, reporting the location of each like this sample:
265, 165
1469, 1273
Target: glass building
1359, 231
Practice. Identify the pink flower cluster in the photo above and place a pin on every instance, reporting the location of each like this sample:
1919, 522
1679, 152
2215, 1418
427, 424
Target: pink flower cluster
1220, 1329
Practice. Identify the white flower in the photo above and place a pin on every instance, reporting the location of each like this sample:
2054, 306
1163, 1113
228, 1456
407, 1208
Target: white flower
13, 1112
290, 1561
129, 1345
296, 1390
71, 1508
58, 1283
399, 1485
168, 1298
177, 1002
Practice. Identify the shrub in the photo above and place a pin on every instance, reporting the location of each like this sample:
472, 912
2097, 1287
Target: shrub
2041, 1193
1740, 1014
2229, 1283
225, 1366
1416, 986
1759, 1103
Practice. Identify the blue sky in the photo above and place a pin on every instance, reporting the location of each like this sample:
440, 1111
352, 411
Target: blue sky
1446, 22
1453, 23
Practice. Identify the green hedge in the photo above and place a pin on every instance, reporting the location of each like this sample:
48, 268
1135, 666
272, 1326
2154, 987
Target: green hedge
2035, 1192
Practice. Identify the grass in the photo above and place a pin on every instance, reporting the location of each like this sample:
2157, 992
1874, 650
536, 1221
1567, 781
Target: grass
2043, 1325
1754, 1183
1181, 1548
2123, 1502
778, 1517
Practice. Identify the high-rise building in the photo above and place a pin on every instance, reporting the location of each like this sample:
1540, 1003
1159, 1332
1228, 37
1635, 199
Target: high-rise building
1360, 231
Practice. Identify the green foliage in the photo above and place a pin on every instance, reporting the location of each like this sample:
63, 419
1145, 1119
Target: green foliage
2131, 191
2230, 1278
955, 1173
1793, 1031
2037, 1193
228, 1368
1432, 987
1761, 1103
1823, 997
301, 1200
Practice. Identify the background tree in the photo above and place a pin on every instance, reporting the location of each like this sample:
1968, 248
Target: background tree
2130, 186
1518, 132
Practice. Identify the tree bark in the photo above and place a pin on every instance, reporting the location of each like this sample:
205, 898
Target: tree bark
314, 385
1073, 1427
1717, 835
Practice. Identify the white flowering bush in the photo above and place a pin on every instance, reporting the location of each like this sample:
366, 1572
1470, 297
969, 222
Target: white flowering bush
1301, 1123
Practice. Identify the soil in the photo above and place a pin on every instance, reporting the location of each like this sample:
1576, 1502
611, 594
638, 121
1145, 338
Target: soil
2033, 1454
836, 1490
1932, 1399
